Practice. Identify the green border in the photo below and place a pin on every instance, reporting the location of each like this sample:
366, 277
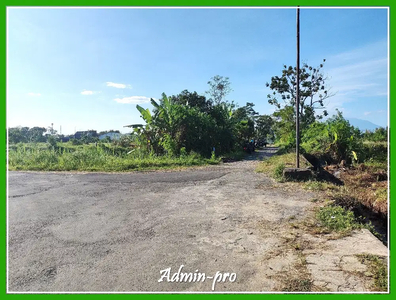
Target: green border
189, 3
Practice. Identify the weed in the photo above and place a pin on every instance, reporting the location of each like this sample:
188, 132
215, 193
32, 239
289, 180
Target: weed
314, 185
377, 266
382, 194
335, 218
298, 285
91, 158
278, 172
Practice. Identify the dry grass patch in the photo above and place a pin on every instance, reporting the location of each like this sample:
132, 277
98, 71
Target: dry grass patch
275, 164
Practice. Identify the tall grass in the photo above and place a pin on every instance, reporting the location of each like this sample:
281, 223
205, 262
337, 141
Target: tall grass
96, 158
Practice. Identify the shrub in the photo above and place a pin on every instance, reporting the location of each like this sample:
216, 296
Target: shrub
278, 171
335, 138
375, 151
183, 152
336, 218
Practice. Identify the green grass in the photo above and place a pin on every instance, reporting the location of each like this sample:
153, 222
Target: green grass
96, 158
278, 172
378, 268
275, 164
313, 185
335, 218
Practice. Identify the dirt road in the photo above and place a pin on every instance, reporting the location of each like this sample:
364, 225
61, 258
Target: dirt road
231, 228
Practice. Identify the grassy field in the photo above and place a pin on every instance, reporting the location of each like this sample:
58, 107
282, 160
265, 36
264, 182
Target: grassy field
100, 157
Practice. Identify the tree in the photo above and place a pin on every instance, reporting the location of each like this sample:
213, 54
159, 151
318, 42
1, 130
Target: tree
192, 100
36, 134
313, 92
220, 87
264, 128
245, 122
17, 135
186, 121
285, 125
108, 131
379, 135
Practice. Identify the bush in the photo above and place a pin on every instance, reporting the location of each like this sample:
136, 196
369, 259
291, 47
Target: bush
335, 138
336, 218
375, 151
52, 142
76, 141
379, 135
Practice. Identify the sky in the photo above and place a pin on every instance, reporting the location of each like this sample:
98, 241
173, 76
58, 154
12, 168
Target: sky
84, 69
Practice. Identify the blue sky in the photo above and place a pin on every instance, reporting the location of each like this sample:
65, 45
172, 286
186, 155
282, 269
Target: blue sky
88, 68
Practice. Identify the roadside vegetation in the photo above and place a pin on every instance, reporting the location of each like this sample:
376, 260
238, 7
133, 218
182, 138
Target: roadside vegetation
361, 200
349, 167
102, 157
182, 130
377, 268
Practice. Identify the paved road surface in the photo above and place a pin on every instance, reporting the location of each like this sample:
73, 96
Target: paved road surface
117, 232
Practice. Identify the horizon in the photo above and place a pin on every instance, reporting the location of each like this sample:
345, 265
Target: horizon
88, 68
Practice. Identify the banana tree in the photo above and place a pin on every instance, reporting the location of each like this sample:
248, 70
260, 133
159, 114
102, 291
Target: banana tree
146, 133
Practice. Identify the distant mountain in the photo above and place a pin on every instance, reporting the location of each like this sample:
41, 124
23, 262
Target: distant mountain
363, 125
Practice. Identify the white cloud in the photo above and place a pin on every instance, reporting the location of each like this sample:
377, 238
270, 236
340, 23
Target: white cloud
133, 100
87, 93
363, 68
357, 74
368, 52
381, 111
368, 78
118, 85
34, 94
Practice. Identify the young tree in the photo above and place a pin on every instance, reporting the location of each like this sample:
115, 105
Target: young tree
220, 87
313, 92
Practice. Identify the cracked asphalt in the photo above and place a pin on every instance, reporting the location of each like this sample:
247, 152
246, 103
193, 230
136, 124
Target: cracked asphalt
101, 232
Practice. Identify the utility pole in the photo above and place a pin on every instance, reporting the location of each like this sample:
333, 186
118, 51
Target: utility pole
298, 92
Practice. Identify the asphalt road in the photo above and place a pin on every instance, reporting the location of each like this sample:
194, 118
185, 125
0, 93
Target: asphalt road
97, 232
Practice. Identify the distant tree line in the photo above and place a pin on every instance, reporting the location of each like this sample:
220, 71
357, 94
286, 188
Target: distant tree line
42, 135
27, 135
